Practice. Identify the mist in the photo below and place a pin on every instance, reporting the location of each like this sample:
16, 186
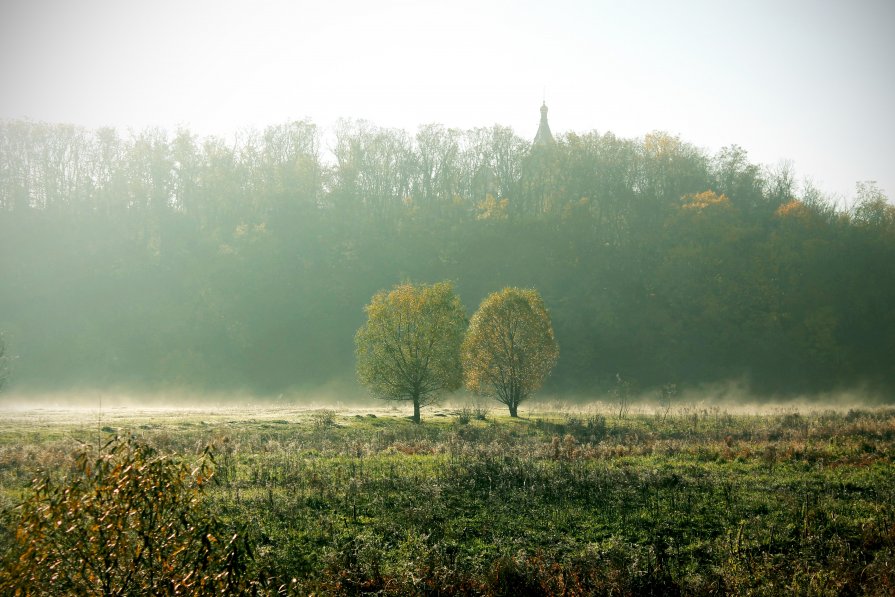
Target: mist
156, 267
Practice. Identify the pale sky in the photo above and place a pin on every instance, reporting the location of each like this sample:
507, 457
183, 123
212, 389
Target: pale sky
810, 82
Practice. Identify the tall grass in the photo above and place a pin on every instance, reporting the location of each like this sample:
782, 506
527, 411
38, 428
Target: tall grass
684, 500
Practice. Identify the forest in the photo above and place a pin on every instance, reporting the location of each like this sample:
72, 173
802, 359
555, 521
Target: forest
155, 261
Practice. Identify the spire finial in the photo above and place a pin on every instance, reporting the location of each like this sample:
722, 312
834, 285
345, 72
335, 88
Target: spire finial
544, 136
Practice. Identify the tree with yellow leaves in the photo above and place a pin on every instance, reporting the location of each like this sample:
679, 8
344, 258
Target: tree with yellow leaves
509, 347
409, 348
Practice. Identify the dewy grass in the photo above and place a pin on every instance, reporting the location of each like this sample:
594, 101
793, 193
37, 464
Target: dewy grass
694, 500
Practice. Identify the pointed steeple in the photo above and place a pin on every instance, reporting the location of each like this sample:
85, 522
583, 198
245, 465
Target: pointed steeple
544, 137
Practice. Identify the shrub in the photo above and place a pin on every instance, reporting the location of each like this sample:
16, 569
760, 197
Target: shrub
324, 419
480, 412
129, 521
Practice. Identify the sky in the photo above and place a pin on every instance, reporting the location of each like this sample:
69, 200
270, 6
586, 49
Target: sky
808, 82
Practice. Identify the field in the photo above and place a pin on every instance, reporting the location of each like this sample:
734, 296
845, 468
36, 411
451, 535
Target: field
686, 499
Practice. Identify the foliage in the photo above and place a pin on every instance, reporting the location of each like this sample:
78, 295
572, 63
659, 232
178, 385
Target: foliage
409, 348
130, 521
152, 260
324, 418
509, 347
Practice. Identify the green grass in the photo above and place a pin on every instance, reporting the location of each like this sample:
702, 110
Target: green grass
694, 501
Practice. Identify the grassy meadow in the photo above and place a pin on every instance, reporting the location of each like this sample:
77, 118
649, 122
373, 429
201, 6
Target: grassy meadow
680, 499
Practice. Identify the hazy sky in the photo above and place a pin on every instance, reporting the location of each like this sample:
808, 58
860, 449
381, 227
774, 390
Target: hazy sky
809, 81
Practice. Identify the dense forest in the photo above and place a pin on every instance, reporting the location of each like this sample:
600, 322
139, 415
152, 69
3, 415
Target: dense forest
156, 260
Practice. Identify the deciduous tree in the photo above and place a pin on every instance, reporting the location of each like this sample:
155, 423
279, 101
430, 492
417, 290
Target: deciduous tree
509, 348
409, 348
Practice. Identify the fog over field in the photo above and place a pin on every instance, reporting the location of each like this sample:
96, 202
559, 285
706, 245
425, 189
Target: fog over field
216, 244
350, 401
459, 298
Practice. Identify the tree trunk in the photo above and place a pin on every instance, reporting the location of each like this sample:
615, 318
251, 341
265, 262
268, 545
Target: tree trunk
513, 407
416, 410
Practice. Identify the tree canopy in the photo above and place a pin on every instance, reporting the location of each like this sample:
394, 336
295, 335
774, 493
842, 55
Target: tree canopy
409, 347
509, 347
155, 260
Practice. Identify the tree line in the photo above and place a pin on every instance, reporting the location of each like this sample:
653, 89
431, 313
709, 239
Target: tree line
154, 260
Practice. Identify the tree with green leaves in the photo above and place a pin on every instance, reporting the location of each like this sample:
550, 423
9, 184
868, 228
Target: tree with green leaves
509, 347
409, 347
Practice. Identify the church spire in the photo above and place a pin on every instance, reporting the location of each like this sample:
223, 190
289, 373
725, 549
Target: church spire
544, 137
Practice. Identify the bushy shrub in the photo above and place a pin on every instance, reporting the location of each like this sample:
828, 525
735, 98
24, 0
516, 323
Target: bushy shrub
324, 419
464, 415
129, 521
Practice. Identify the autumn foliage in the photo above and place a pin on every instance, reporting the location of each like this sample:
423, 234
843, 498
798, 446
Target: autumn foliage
129, 522
409, 347
509, 348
